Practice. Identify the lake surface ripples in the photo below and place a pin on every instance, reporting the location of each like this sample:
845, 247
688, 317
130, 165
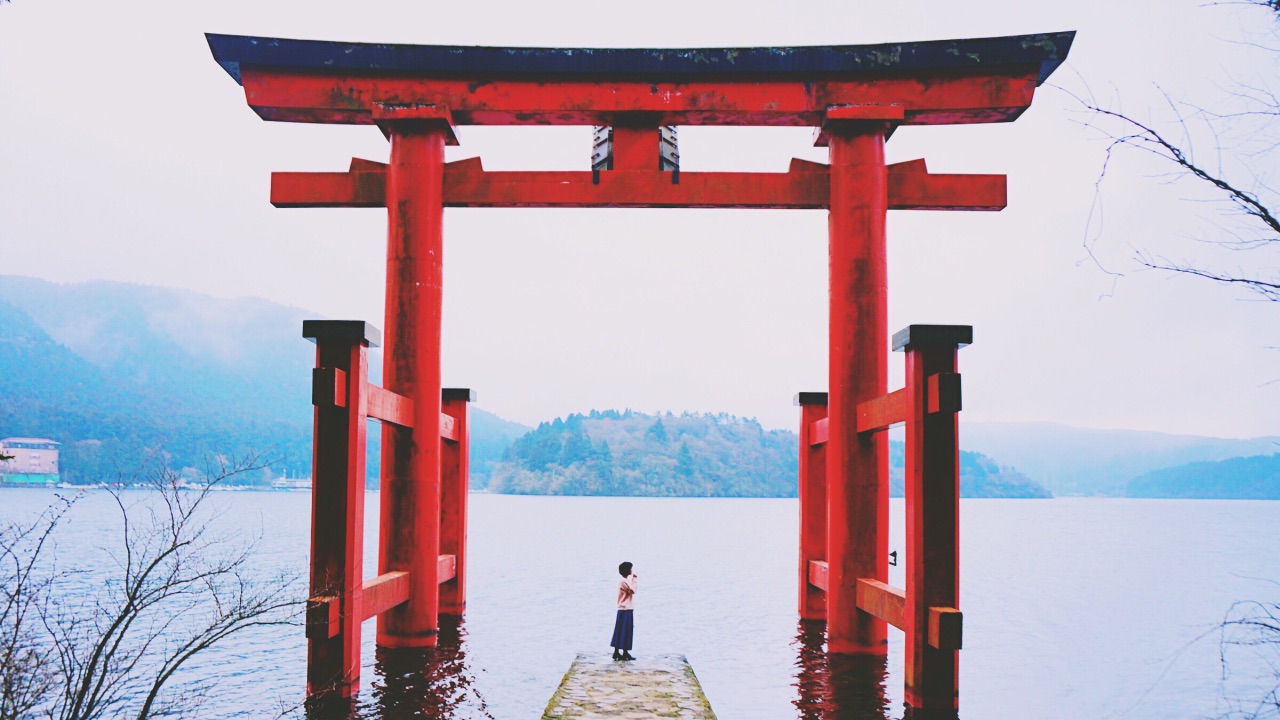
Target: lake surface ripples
1074, 608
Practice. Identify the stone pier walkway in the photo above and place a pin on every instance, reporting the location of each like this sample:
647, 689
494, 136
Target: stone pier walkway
599, 688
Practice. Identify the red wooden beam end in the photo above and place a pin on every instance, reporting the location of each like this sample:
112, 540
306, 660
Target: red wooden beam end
324, 617
328, 387
818, 573
882, 412
943, 393
883, 601
366, 189
821, 432
448, 428
447, 568
383, 593
945, 628
390, 407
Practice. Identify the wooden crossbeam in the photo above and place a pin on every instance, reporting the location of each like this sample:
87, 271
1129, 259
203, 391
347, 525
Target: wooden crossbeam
390, 407
329, 389
882, 412
818, 573
805, 186
883, 601
382, 593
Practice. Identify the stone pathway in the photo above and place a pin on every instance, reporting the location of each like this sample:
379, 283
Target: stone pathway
599, 688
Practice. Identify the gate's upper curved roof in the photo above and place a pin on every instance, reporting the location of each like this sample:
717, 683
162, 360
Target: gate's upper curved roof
1045, 51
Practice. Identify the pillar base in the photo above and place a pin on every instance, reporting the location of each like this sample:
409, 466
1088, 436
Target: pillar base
844, 647
418, 641
911, 713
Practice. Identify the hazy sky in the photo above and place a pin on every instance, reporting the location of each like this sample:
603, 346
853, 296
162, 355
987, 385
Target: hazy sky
127, 154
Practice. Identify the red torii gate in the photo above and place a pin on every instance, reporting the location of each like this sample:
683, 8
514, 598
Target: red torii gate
854, 95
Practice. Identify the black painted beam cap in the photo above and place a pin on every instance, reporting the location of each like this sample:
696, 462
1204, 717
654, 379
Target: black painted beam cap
920, 335
466, 394
810, 398
348, 330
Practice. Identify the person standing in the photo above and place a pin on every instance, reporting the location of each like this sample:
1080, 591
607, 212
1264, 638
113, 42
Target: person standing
624, 626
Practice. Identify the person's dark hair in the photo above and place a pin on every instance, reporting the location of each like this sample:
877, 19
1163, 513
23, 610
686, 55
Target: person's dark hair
624, 569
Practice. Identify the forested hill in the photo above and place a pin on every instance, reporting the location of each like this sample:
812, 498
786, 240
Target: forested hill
631, 453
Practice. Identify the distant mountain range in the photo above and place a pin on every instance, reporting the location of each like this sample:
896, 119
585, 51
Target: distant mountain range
1081, 461
130, 376
127, 376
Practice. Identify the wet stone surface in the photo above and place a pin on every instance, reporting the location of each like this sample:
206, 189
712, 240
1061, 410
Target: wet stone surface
659, 686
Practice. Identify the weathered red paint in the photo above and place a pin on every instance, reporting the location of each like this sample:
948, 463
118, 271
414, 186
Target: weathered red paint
454, 474
812, 492
446, 568
884, 601
383, 593
337, 504
410, 497
818, 575
805, 186
932, 489
880, 412
939, 98
857, 465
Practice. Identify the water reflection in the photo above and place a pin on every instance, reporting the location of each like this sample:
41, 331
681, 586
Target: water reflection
431, 683
837, 687
415, 683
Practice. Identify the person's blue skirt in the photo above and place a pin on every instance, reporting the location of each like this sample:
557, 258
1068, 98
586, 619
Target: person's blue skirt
623, 628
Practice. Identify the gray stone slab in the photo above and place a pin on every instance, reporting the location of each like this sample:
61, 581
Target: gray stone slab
655, 686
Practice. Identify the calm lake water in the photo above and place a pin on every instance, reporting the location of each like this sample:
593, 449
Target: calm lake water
1074, 608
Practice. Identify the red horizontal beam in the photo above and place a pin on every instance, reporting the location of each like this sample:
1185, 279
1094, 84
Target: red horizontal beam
883, 601
805, 186
820, 433
934, 99
390, 407
329, 388
382, 593
882, 412
818, 573
446, 568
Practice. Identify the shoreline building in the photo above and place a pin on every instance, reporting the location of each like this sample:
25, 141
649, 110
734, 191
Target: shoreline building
34, 463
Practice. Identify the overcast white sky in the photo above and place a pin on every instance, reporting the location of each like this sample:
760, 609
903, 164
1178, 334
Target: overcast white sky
127, 154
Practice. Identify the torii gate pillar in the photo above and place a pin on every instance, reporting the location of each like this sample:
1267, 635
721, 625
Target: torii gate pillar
857, 464
410, 495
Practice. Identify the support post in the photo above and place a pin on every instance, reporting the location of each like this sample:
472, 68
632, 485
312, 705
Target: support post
813, 503
337, 507
454, 474
410, 497
857, 465
932, 492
